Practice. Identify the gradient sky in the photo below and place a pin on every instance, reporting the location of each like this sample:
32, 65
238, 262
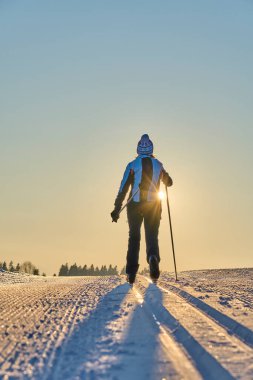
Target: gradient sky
80, 82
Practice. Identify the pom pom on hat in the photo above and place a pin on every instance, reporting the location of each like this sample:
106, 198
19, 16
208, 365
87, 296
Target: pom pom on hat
145, 145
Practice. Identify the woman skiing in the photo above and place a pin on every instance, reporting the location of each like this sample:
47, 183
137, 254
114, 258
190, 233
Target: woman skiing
143, 175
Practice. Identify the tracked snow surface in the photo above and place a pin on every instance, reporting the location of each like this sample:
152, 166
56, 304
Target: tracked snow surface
200, 327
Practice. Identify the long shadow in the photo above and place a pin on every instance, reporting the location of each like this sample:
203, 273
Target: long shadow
78, 356
205, 363
233, 327
139, 353
90, 352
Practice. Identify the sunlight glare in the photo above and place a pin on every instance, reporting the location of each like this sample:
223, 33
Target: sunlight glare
161, 195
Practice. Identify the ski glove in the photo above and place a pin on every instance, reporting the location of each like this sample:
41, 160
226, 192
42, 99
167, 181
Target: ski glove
167, 180
115, 215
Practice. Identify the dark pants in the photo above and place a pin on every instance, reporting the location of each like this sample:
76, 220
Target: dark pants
150, 212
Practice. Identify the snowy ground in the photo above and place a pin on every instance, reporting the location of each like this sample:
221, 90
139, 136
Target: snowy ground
99, 328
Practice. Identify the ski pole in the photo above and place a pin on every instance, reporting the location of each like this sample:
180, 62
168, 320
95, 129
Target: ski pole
129, 200
171, 233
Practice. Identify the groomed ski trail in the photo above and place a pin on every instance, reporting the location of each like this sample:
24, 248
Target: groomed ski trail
101, 328
161, 335
122, 340
209, 344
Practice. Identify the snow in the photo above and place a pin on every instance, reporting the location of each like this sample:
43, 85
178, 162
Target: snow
229, 290
200, 327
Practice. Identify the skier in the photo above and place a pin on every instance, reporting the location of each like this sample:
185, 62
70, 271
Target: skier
144, 175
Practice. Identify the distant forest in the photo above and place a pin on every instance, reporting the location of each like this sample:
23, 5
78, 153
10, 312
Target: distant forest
78, 270
26, 267
65, 269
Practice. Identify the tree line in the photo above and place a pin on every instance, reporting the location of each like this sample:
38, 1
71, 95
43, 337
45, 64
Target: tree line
66, 270
78, 270
25, 267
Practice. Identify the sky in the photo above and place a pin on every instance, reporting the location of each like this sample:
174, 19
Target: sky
80, 82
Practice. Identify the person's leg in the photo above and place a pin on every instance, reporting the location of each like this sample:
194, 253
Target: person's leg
152, 217
135, 219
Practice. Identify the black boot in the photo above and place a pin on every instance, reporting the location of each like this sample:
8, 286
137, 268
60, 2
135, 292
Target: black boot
154, 268
131, 278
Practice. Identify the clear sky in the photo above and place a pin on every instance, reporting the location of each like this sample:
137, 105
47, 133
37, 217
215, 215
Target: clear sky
80, 82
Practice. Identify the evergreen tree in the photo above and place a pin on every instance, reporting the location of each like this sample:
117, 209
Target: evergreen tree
4, 267
85, 270
91, 270
11, 266
64, 270
17, 269
73, 270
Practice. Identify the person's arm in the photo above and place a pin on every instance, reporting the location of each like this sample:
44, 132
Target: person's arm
124, 186
166, 179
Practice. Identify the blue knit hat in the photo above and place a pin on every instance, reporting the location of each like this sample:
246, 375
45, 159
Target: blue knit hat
145, 145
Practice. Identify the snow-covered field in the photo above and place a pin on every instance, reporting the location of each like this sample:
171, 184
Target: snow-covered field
99, 328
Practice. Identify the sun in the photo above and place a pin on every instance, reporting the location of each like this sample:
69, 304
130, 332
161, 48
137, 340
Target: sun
161, 195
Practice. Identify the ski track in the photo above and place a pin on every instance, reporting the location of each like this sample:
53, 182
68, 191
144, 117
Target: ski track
229, 290
36, 318
100, 328
205, 340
